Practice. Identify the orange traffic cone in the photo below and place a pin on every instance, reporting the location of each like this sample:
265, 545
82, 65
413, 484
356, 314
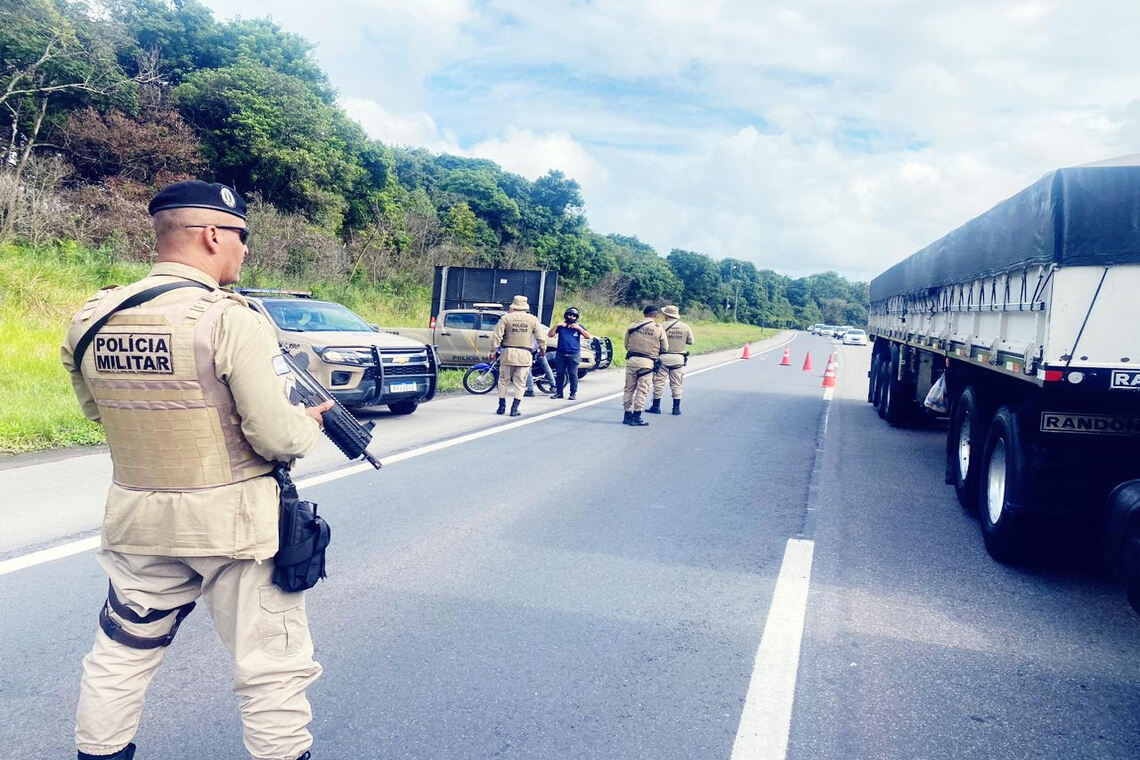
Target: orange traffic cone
807, 361
829, 373
746, 354
787, 360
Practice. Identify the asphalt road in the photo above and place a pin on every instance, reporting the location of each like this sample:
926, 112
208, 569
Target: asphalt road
574, 588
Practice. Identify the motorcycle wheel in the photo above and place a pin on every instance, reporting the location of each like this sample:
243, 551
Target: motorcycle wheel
480, 381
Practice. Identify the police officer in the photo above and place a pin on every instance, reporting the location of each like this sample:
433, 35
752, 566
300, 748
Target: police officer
673, 361
184, 384
569, 354
515, 336
644, 342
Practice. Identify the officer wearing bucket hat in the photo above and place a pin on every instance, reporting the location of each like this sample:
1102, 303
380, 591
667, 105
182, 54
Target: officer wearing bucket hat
516, 336
673, 361
183, 381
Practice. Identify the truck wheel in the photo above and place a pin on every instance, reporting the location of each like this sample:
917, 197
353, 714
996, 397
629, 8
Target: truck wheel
882, 388
404, 407
896, 396
1002, 483
1122, 538
873, 379
964, 443
476, 380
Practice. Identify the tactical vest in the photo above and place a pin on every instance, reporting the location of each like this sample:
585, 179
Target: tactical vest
643, 341
676, 333
518, 331
170, 423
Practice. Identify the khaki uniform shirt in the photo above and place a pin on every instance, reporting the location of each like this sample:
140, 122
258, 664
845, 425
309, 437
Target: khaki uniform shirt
516, 333
679, 335
644, 337
237, 520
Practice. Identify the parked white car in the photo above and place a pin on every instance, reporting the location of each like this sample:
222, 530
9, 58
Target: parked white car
855, 338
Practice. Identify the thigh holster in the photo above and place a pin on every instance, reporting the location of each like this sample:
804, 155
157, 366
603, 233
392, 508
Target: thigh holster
115, 631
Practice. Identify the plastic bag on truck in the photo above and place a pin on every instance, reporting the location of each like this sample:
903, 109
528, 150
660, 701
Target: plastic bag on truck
936, 398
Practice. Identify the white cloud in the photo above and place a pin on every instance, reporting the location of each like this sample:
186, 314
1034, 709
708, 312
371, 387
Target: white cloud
413, 129
531, 155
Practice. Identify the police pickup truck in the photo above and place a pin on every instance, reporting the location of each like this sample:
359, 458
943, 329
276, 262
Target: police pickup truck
462, 338
355, 361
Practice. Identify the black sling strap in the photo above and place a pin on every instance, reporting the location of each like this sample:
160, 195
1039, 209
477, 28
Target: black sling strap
135, 300
635, 328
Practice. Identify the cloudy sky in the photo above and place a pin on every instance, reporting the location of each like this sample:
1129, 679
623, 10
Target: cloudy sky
803, 136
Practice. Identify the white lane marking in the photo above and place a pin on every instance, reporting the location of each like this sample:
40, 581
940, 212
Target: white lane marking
47, 555
767, 717
87, 544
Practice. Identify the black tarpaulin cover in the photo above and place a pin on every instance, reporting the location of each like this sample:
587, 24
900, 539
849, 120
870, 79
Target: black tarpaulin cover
1081, 216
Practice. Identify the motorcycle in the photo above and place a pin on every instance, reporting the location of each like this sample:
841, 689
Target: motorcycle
483, 377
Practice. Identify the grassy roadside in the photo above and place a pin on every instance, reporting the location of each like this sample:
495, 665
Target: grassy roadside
41, 290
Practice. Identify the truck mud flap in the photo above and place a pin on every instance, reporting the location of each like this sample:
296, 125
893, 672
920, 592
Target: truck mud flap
1122, 538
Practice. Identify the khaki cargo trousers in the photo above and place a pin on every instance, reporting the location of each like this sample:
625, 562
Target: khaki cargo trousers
675, 376
264, 628
512, 380
638, 382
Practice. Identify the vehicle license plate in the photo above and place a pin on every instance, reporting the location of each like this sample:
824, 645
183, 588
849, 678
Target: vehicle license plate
402, 388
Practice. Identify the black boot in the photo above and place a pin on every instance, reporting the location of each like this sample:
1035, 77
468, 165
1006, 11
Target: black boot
637, 421
305, 756
627, 419
676, 406
515, 408
655, 408
126, 753
502, 406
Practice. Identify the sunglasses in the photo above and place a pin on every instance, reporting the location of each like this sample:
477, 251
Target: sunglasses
243, 232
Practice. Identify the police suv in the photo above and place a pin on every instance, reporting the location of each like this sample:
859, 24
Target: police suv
357, 363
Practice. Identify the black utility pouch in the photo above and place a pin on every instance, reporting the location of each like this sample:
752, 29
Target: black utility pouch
303, 537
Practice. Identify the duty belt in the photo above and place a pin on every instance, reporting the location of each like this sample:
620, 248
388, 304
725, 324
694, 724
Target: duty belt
647, 370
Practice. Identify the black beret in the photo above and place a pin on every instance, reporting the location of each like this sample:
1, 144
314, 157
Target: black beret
650, 309
198, 194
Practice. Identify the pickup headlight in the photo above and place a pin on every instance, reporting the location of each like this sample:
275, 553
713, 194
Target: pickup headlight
354, 356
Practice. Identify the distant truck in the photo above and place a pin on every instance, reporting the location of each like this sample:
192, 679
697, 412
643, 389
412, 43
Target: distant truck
1029, 314
467, 303
357, 363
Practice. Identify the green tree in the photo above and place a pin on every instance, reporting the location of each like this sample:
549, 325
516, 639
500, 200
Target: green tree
268, 132
477, 187
54, 58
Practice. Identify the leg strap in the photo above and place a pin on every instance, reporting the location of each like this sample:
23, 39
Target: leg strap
116, 632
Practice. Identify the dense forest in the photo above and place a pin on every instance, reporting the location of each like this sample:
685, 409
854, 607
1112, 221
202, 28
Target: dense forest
103, 102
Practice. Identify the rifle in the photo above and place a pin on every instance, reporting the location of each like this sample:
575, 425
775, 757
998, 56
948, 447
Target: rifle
351, 437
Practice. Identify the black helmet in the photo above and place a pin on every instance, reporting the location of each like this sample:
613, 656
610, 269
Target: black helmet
571, 312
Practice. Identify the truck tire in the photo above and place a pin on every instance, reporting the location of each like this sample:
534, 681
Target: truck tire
873, 379
964, 443
895, 396
881, 386
1001, 482
407, 406
1122, 538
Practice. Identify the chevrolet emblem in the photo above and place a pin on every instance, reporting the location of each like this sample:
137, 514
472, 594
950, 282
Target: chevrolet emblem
400, 360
